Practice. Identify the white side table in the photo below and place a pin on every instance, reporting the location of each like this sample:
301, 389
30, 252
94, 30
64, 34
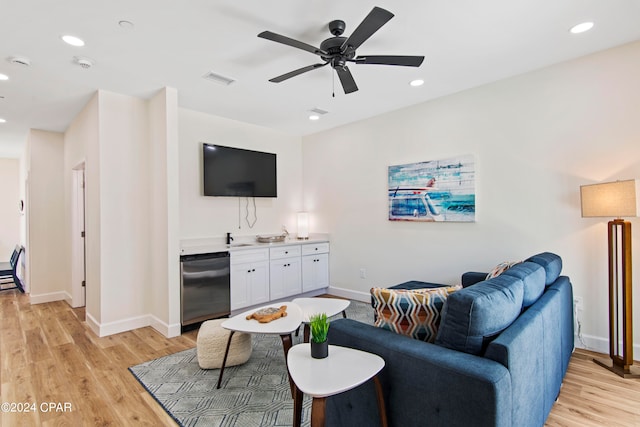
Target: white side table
345, 368
283, 326
310, 306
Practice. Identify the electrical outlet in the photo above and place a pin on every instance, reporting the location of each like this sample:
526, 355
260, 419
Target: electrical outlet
363, 273
577, 301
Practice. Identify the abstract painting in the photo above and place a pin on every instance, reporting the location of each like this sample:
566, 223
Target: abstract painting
433, 191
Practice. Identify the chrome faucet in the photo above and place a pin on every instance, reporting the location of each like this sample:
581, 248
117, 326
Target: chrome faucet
285, 232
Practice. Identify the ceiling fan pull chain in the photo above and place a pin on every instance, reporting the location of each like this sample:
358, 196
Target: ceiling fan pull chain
333, 78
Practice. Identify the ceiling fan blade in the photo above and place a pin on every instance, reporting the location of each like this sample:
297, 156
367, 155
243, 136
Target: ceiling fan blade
407, 61
371, 23
348, 83
296, 72
268, 35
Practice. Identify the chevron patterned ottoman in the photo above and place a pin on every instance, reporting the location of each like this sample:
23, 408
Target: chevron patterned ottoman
212, 342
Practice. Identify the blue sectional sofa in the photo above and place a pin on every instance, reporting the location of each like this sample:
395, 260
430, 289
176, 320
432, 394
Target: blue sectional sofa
499, 357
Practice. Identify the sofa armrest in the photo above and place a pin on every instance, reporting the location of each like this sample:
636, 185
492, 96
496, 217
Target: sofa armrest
423, 383
472, 277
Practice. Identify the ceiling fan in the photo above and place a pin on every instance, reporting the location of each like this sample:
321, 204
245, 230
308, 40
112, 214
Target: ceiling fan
338, 51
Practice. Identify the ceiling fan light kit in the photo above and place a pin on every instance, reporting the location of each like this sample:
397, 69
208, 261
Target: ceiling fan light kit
337, 51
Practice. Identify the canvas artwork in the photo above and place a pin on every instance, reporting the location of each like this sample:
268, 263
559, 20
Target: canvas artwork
433, 191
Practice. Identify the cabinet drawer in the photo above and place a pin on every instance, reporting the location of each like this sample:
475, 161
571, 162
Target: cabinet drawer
284, 252
249, 255
315, 248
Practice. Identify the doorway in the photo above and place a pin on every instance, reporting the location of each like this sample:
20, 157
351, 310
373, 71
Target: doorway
78, 240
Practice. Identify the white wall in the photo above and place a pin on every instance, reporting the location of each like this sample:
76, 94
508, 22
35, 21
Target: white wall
212, 217
81, 144
536, 138
9, 208
124, 207
48, 260
164, 248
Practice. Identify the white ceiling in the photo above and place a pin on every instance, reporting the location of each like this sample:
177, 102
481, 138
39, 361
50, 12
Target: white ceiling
466, 43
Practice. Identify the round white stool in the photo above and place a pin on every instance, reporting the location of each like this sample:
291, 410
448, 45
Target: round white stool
212, 341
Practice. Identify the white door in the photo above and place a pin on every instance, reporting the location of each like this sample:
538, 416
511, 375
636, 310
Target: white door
78, 250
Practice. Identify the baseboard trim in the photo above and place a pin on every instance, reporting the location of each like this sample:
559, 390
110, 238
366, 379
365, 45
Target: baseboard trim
348, 293
599, 344
50, 297
169, 331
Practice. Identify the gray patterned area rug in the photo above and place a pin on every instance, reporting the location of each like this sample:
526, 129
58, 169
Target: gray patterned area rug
256, 393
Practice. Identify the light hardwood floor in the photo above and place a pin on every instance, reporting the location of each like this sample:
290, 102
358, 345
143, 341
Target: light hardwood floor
48, 354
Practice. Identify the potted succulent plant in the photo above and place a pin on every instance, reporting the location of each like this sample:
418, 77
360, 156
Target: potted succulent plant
319, 325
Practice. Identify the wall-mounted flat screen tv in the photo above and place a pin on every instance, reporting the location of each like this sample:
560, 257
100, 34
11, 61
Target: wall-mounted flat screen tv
237, 172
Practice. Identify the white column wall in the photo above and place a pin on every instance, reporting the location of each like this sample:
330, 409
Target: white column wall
124, 210
164, 244
48, 259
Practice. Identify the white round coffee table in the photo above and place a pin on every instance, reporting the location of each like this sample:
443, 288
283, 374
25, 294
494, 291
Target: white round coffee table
311, 306
283, 326
345, 368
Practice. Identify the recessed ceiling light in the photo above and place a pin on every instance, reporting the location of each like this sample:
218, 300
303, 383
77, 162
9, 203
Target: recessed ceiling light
72, 40
416, 82
581, 28
314, 117
2, 120
4, 77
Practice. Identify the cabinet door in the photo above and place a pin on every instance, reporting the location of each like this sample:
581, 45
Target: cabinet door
259, 282
285, 278
293, 277
315, 272
240, 289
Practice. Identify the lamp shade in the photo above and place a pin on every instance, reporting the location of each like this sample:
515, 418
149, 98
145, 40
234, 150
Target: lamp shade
611, 199
303, 225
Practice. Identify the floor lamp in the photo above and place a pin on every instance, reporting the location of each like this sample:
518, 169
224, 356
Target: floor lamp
617, 199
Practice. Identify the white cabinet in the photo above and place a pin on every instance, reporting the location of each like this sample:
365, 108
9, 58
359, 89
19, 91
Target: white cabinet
315, 266
249, 278
260, 275
285, 272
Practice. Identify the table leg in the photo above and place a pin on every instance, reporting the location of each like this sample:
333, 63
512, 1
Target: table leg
224, 360
286, 345
306, 332
297, 407
318, 407
381, 406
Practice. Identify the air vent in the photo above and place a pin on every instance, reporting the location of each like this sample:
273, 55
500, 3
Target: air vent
318, 111
20, 60
218, 78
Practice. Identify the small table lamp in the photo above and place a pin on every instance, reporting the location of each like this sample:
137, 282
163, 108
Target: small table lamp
303, 225
617, 199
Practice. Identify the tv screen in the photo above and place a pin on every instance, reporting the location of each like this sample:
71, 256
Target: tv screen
236, 172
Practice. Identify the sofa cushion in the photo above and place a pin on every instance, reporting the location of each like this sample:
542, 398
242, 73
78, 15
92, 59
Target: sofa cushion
473, 316
551, 263
415, 313
533, 278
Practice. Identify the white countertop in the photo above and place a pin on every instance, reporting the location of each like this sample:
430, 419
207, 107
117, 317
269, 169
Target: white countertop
204, 246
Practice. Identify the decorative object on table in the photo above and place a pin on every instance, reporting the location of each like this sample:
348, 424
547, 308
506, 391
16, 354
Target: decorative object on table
617, 199
303, 226
319, 324
437, 190
271, 239
268, 314
211, 343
